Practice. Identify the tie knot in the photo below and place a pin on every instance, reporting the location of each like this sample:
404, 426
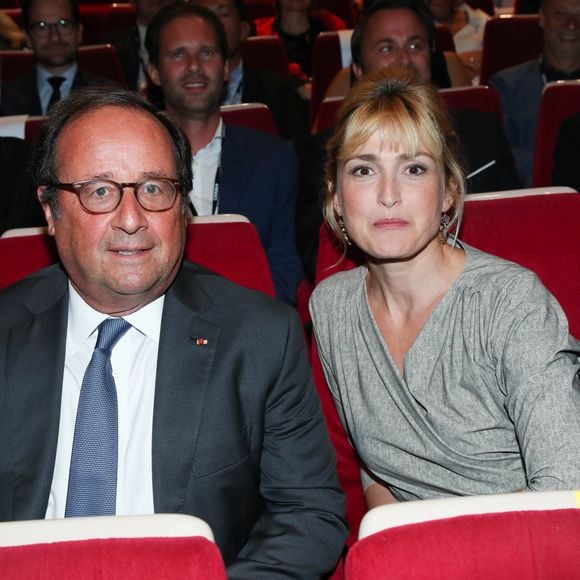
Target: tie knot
55, 82
110, 332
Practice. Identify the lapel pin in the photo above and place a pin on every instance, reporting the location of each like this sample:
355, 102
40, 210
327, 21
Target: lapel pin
201, 341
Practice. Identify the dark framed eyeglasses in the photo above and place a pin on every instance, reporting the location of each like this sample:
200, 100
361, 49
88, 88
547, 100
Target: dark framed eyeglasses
98, 196
42, 28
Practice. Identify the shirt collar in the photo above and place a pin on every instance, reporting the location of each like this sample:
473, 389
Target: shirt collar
214, 146
42, 75
84, 319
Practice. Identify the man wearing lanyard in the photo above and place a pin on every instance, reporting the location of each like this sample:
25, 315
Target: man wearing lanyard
236, 170
520, 87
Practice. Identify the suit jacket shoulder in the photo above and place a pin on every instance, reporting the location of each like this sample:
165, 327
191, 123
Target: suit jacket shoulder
20, 96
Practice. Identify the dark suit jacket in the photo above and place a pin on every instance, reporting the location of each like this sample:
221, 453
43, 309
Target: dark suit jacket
238, 436
20, 95
18, 204
520, 90
259, 175
483, 140
567, 154
126, 43
290, 111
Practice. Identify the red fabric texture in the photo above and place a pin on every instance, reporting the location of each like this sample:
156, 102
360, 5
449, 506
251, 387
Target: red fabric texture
233, 250
194, 558
534, 545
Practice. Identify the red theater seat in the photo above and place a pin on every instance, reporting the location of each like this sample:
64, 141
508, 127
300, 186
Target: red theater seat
559, 100
509, 40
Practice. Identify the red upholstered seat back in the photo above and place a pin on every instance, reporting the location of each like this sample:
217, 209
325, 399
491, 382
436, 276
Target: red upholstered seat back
529, 544
195, 558
509, 40
559, 100
253, 115
24, 255
233, 250
540, 232
266, 52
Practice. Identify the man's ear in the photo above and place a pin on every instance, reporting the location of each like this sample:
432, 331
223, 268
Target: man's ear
356, 69
47, 209
226, 71
153, 74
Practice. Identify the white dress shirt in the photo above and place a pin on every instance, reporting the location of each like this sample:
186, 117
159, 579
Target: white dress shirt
204, 164
45, 88
134, 364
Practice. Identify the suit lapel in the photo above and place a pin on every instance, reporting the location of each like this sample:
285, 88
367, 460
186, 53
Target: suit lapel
35, 363
186, 356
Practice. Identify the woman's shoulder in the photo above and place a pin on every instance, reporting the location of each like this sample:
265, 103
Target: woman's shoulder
488, 273
337, 288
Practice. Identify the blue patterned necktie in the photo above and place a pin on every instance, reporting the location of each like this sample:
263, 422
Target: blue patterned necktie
92, 485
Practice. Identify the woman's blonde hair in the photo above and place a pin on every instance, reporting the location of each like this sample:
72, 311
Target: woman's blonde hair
408, 113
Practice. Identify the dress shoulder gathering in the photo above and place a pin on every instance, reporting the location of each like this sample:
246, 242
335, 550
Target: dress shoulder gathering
489, 397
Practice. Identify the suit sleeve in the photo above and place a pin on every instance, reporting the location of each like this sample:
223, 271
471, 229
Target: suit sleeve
301, 531
281, 248
517, 136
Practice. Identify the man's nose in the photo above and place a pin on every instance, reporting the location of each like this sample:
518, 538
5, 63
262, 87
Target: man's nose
130, 216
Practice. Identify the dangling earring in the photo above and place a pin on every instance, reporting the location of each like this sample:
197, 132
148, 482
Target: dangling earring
443, 227
343, 231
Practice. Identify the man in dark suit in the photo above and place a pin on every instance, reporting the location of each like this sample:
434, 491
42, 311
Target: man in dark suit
53, 31
236, 170
212, 403
248, 84
130, 43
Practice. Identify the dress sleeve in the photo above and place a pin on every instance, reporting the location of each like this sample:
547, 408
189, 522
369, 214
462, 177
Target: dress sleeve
537, 367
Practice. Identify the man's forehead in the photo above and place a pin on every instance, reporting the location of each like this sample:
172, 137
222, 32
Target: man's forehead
50, 7
397, 22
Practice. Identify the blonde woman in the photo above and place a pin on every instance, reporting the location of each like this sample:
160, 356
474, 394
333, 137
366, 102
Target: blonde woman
453, 370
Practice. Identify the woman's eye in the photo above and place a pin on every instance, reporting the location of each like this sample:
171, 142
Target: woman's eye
416, 169
361, 171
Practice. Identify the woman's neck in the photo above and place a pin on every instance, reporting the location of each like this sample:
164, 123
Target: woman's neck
410, 286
